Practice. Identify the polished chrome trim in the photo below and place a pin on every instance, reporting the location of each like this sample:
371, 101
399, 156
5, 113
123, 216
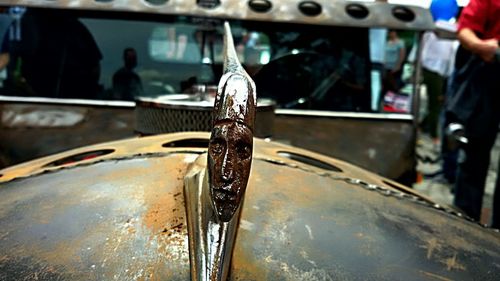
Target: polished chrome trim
73, 102
333, 11
130, 104
354, 115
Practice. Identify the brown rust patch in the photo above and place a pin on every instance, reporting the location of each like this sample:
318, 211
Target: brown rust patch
165, 209
245, 267
452, 263
432, 244
229, 162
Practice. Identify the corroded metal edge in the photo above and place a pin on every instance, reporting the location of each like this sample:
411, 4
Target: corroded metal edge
134, 147
332, 12
264, 150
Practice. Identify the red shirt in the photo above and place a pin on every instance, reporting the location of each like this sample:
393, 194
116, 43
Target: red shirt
483, 17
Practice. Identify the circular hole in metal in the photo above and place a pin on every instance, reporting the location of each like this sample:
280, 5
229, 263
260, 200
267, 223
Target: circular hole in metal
309, 161
260, 6
156, 2
357, 11
79, 157
310, 8
209, 4
201, 143
403, 14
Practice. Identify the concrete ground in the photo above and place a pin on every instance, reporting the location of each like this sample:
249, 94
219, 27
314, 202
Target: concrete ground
438, 188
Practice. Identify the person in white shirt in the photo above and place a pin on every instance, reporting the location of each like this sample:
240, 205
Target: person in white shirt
437, 64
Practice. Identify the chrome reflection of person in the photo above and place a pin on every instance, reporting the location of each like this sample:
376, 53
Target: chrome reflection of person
231, 142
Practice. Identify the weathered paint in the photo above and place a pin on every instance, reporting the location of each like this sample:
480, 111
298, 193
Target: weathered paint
121, 217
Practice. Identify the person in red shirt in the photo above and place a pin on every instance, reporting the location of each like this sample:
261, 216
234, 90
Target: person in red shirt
477, 104
479, 28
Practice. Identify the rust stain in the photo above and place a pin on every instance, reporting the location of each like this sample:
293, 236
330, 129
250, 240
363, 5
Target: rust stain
165, 206
452, 263
432, 244
245, 267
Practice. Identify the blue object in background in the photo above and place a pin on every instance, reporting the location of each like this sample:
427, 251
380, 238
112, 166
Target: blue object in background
444, 9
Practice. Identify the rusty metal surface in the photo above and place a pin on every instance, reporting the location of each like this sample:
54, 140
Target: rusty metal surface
121, 216
332, 12
361, 141
386, 148
25, 141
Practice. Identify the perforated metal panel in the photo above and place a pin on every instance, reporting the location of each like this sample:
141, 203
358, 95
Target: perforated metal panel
159, 117
156, 120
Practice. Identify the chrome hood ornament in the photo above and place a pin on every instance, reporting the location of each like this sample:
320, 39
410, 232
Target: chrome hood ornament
214, 195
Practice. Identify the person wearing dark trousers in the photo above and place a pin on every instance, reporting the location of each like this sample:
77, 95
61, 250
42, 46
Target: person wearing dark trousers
437, 64
449, 144
477, 104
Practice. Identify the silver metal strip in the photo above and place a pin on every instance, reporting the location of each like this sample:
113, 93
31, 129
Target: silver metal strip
354, 115
333, 12
130, 104
56, 101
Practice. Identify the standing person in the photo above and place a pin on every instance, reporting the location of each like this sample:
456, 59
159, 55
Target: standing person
478, 105
437, 60
395, 53
126, 83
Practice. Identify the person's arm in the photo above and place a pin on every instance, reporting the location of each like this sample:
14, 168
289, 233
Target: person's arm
471, 24
484, 48
4, 60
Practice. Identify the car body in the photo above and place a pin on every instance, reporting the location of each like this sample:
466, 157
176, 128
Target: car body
298, 46
177, 206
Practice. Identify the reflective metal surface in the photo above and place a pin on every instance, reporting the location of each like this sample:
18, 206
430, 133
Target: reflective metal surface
214, 196
332, 12
121, 216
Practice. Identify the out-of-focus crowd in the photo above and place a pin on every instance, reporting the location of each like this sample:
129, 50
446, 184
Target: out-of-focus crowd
463, 113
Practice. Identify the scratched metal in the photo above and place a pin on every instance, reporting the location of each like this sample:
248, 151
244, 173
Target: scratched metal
121, 216
363, 142
332, 12
19, 143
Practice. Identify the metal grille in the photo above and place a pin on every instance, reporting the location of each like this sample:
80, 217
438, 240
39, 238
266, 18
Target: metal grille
156, 120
